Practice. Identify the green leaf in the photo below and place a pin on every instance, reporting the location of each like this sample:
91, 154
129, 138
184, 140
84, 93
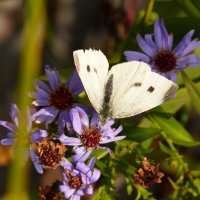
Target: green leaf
193, 72
129, 186
163, 7
143, 193
182, 99
140, 134
174, 130
165, 149
99, 153
193, 91
190, 8
124, 165
102, 193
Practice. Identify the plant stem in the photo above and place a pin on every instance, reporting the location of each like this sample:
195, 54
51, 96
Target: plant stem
148, 11
33, 36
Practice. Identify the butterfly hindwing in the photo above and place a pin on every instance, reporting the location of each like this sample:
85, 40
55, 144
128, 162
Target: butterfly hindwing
137, 89
92, 67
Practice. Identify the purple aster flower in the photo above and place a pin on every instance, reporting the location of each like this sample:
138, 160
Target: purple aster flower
160, 55
56, 101
90, 134
78, 179
32, 137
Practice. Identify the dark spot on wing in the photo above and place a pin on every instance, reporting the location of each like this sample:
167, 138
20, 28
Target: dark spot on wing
95, 70
137, 84
150, 89
108, 89
88, 68
170, 92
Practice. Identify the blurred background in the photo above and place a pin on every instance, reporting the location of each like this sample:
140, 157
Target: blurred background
70, 25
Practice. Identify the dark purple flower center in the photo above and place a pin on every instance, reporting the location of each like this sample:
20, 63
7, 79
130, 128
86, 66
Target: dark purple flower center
91, 136
61, 98
73, 181
165, 61
50, 153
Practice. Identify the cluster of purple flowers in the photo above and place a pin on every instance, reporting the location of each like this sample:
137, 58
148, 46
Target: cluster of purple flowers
55, 105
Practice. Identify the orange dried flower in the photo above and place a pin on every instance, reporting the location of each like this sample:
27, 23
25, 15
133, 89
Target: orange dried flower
148, 174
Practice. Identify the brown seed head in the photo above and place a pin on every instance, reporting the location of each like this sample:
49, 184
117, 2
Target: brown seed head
148, 174
50, 152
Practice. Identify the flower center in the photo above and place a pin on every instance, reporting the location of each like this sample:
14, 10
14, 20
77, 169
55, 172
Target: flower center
91, 136
73, 181
50, 153
61, 98
165, 61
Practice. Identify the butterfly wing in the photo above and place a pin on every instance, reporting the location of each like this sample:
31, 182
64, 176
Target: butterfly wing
92, 67
136, 89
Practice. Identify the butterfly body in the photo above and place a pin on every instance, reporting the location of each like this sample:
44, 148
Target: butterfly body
125, 90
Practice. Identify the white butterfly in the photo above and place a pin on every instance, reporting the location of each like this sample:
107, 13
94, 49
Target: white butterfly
125, 90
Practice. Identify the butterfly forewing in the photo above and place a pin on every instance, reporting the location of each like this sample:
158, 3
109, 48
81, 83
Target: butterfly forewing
137, 89
92, 67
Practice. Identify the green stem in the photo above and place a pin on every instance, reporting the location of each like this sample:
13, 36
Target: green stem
148, 11
33, 36
183, 167
181, 162
190, 8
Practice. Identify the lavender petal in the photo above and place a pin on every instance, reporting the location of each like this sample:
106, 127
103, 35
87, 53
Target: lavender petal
89, 190
106, 140
66, 164
53, 77
38, 135
95, 175
47, 115
82, 167
7, 141
145, 46
183, 43
35, 160
8, 125
81, 154
14, 114
40, 103
134, 55
76, 121
40, 85
70, 141
74, 83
